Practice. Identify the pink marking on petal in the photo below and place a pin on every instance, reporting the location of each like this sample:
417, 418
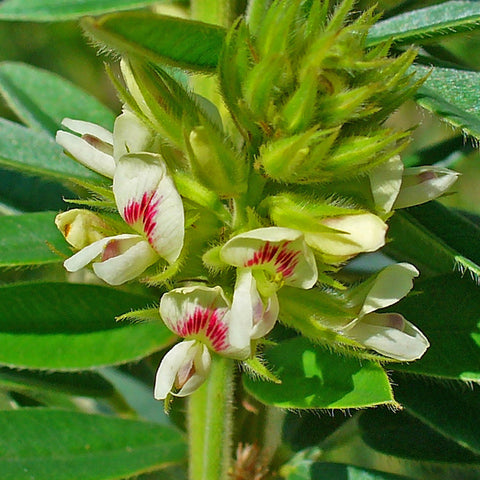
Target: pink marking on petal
207, 322
112, 249
283, 259
144, 212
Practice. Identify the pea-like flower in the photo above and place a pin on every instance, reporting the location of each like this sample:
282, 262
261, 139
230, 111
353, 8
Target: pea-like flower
387, 333
280, 252
203, 316
149, 203
97, 148
394, 186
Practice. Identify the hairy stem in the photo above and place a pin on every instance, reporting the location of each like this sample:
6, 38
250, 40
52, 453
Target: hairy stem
210, 423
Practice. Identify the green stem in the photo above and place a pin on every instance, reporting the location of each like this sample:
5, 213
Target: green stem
210, 423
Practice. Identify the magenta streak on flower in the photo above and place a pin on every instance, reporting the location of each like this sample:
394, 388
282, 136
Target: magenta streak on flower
208, 322
283, 259
144, 211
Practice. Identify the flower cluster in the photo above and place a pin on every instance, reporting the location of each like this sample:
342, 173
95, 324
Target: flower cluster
250, 215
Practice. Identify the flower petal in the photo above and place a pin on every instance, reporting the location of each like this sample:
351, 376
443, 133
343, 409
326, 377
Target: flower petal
130, 135
148, 201
197, 312
88, 128
281, 251
85, 153
257, 317
391, 335
385, 181
388, 287
121, 258
422, 184
184, 368
350, 235
129, 260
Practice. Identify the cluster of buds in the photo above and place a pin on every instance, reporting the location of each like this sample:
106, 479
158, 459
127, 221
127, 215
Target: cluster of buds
249, 216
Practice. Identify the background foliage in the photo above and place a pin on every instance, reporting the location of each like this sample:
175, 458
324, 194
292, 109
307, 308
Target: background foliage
75, 386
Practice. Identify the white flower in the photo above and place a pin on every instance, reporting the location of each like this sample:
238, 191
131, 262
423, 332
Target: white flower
97, 148
148, 201
203, 316
394, 186
116, 260
281, 252
182, 370
349, 235
262, 313
387, 333
422, 184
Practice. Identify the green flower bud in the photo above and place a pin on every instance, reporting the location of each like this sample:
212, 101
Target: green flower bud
214, 163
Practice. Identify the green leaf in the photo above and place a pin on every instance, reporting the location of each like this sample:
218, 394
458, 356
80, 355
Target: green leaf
415, 243
42, 194
314, 377
401, 435
42, 99
36, 153
427, 24
49, 444
309, 470
453, 95
166, 40
56, 10
447, 310
443, 407
453, 228
307, 429
436, 239
31, 239
67, 327
78, 383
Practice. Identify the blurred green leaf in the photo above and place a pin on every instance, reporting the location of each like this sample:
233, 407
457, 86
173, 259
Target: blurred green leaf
55, 10
443, 406
138, 395
31, 239
314, 377
307, 429
401, 435
453, 95
412, 240
309, 470
67, 327
453, 228
447, 310
49, 444
42, 99
78, 383
36, 153
428, 23
42, 194
162, 39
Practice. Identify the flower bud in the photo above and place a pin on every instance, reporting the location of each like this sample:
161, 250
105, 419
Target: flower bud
214, 162
81, 227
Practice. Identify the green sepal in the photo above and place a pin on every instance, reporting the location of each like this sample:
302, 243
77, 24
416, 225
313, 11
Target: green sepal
260, 83
257, 368
142, 315
215, 163
211, 259
196, 192
286, 159
299, 110
305, 213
